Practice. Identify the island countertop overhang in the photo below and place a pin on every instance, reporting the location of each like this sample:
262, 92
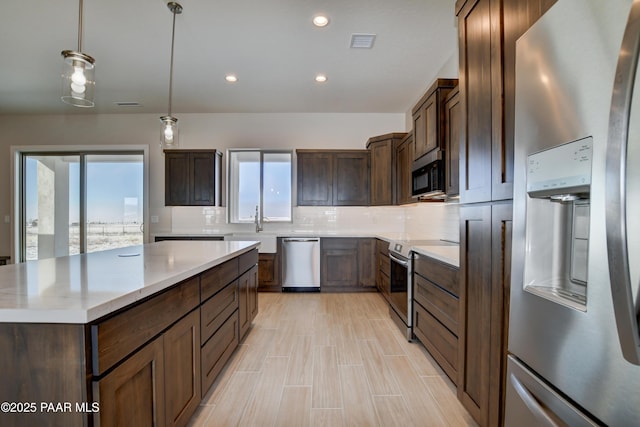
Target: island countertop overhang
80, 289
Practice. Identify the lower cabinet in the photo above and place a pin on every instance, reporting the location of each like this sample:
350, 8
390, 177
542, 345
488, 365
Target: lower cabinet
269, 272
347, 264
485, 262
383, 283
248, 285
159, 384
436, 311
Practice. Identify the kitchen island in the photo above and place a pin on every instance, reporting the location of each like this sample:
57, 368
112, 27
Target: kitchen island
133, 335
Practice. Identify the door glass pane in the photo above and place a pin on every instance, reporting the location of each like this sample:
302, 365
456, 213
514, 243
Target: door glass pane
277, 187
114, 201
51, 206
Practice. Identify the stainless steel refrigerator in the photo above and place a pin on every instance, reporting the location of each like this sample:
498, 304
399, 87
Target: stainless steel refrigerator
574, 347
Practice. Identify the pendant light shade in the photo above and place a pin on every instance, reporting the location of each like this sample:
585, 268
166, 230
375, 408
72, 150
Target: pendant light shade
169, 133
78, 81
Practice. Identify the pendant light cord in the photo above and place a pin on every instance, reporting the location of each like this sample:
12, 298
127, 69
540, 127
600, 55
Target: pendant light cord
173, 32
80, 28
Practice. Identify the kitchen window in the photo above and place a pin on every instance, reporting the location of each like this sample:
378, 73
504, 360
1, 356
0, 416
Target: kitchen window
74, 202
259, 180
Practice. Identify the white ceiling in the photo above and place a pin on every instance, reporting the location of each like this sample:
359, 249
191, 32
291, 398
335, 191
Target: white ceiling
270, 45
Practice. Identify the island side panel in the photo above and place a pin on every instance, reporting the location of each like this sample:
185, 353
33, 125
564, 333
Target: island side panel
40, 365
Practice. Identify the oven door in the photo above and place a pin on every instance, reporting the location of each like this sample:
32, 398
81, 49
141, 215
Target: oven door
400, 295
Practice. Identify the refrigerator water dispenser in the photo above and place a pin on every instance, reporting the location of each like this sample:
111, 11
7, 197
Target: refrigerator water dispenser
557, 223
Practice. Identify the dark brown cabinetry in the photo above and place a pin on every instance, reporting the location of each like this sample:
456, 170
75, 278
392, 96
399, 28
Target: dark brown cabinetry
333, 177
428, 118
404, 163
269, 272
192, 177
488, 30
452, 141
436, 311
384, 268
485, 279
248, 288
383, 184
347, 264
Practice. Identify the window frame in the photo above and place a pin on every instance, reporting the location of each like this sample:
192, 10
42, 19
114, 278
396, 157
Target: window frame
232, 200
19, 153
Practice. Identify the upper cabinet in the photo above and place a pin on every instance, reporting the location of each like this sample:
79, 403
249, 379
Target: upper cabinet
404, 162
333, 177
452, 142
192, 177
383, 150
429, 119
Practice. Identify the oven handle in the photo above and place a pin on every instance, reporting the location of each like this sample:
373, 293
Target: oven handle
399, 261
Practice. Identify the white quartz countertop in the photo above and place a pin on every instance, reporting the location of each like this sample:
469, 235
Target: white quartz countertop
83, 288
447, 254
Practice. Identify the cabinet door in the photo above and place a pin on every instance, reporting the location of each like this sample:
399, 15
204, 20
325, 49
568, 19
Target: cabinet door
452, 142
480, 69
315, 179
367, 263
419, 134
404, 162
351, 179
133, 393
248, 309
382, 172
202, 179
339, 263
182, 369
176, 178
269, 272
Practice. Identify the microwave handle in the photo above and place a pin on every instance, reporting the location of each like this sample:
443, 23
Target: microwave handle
626, 312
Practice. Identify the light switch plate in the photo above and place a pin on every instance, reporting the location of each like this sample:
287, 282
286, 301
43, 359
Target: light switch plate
154, 219
7, 219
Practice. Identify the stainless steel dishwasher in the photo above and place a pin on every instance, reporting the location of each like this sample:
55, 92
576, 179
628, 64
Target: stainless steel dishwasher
301, 264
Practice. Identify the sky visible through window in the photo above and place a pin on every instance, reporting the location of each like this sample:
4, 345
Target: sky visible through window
114, 191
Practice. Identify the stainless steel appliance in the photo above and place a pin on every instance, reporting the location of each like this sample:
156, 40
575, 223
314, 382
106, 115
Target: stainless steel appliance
301, 264
428, 179
401, 281
573, 325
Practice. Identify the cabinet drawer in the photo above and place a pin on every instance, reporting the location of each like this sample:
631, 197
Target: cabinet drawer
437, 339
247, 260
218, 277
438, 272
115, 337
382, 246
217, 309
384, 264
218, 350
440, 303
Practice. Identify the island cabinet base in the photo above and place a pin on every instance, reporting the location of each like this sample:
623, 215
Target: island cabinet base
148, 364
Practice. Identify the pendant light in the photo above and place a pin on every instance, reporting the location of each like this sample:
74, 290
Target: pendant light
78, 71
169, 132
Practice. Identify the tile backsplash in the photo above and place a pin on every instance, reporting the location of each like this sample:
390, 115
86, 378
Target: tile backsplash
416, 221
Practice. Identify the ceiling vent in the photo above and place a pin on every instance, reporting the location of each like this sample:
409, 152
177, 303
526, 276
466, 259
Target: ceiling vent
362, 41
127, 104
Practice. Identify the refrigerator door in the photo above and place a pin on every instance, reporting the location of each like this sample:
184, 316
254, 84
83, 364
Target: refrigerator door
623, 191
565, 69
532, 403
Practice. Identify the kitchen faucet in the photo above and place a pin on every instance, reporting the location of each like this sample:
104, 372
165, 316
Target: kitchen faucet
257, 221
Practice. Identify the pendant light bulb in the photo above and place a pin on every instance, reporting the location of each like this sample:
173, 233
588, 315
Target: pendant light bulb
78, 74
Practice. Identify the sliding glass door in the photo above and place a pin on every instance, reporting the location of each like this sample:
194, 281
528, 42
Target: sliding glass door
80, 202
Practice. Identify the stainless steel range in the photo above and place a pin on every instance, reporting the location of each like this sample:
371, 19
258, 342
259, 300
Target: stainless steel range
401, 281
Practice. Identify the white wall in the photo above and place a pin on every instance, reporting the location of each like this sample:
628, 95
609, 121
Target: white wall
220, 131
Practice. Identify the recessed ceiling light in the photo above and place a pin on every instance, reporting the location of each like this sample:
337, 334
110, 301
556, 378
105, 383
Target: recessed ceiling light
321, 78
320, 21
231, 78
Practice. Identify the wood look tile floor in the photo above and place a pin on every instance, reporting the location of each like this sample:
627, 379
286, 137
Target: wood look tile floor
315, 359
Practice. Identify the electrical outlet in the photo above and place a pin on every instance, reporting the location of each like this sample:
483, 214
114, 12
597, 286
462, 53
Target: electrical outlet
154, 219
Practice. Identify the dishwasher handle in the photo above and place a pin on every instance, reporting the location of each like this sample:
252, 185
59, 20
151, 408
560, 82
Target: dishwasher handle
313, 239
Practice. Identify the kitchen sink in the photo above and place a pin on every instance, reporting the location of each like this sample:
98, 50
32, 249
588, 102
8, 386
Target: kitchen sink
267, 241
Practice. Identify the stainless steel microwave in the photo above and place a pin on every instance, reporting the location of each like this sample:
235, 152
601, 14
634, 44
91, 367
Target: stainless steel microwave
428, 180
